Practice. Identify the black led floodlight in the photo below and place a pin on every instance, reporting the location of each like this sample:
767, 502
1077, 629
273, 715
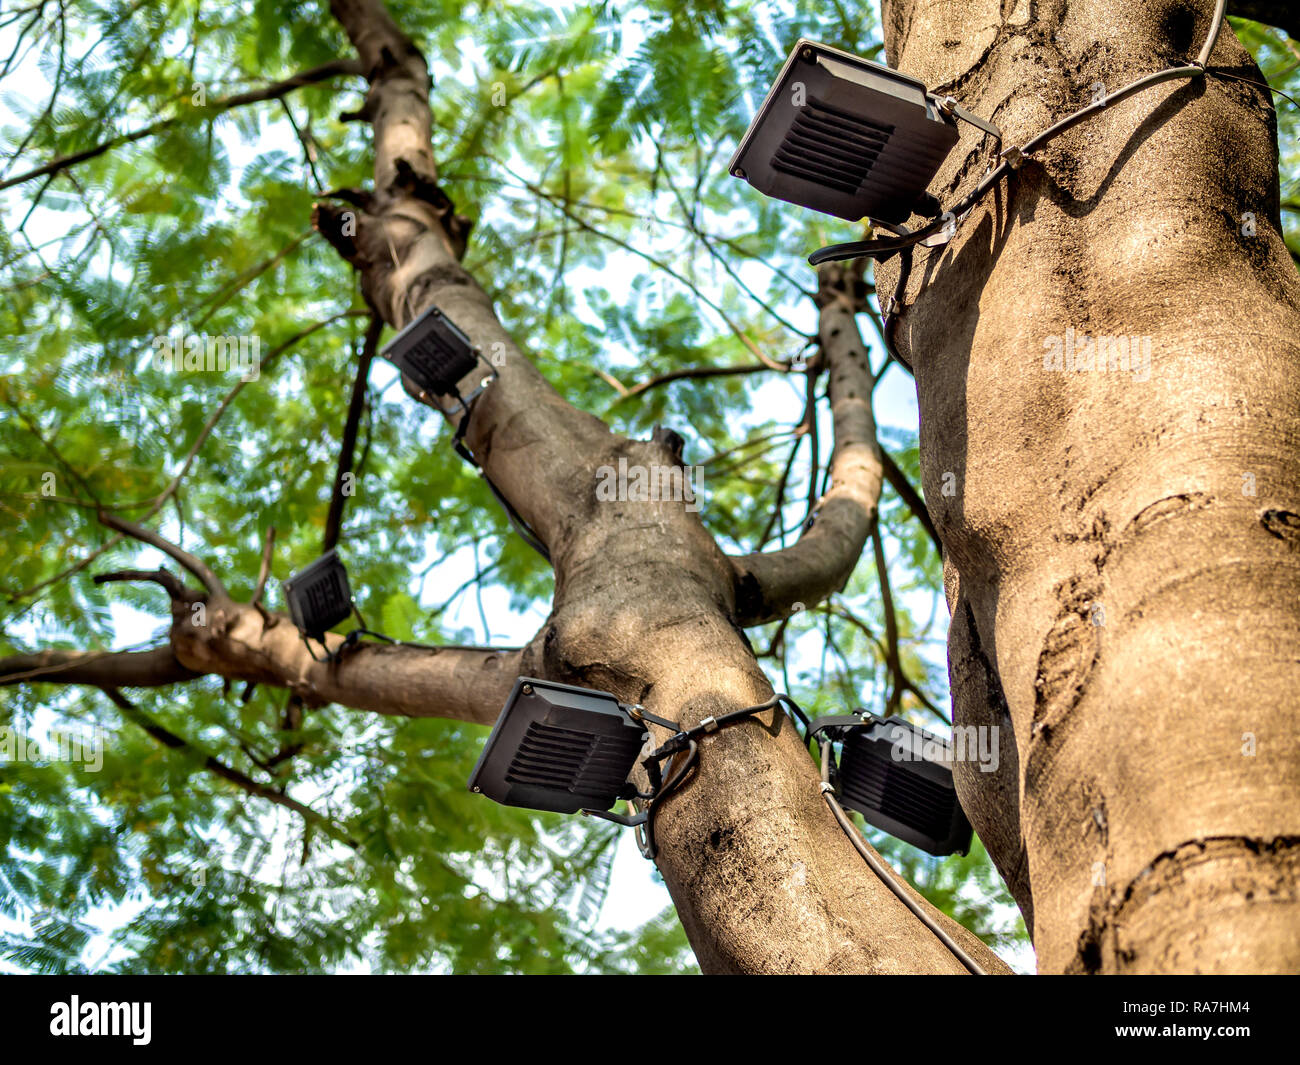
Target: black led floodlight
319, 596
846, 136
899, 778
434, 352
561, 748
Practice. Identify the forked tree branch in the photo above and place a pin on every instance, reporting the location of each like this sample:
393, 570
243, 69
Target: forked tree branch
192, 563
407, 240
235, 641
174, 588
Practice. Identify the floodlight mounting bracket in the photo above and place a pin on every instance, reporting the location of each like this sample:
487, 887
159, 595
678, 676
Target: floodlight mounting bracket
464, 403
635, 820
949, 106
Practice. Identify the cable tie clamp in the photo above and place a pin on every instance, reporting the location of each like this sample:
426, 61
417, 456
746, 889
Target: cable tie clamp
709, 724
826, 787
1013, 157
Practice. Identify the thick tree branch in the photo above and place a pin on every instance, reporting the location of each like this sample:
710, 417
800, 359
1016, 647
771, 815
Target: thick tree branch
175, 588
467, 684
235, 641
641, 586
103, 669
769, 585
407, 240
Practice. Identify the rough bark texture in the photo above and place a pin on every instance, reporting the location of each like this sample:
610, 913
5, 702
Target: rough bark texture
1117, 591
769, 585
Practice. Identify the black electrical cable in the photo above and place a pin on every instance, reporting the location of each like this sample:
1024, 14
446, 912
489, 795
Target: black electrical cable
886, 874
889, 312
1216, 26
1257, 84
355, 634
684, 739
650, 848
879, 248
329, 657
516, 520
353, 638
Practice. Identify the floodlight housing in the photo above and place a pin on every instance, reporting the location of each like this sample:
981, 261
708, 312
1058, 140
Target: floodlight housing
845, 136
319, 595
561, 748
899, 778
434, 352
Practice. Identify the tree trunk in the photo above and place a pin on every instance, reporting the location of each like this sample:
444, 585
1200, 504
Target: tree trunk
1122, 548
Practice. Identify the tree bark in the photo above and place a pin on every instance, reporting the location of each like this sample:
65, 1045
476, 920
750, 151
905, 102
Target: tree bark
1123, 553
